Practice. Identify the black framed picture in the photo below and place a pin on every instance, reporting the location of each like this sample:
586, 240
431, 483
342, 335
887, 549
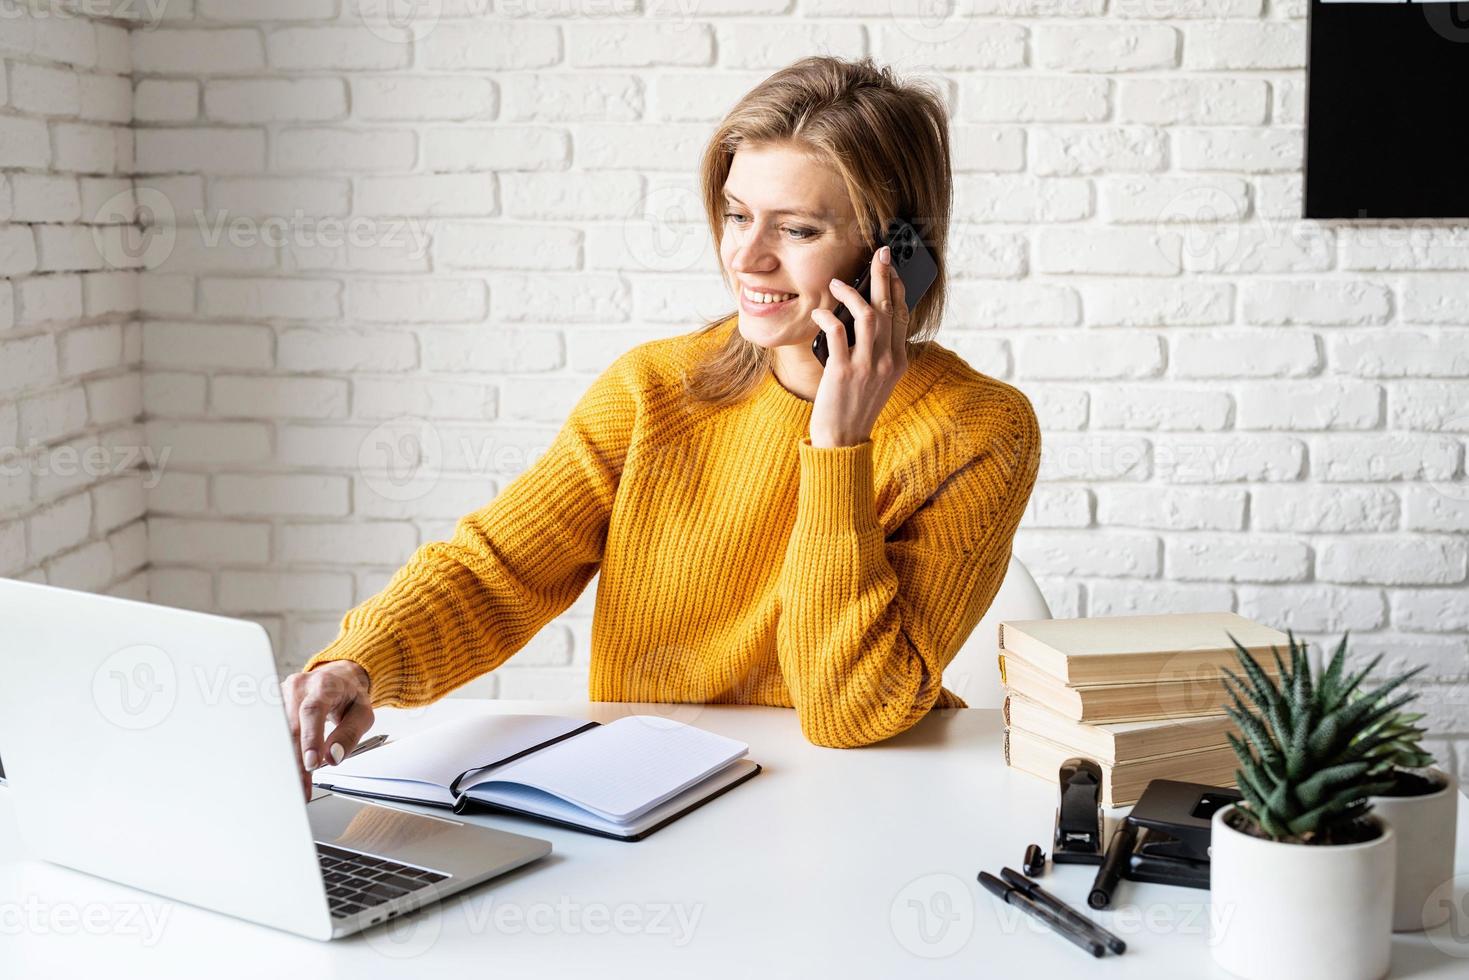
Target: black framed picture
1385, 109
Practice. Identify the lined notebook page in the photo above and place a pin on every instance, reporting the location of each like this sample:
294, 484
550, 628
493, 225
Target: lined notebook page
622, 769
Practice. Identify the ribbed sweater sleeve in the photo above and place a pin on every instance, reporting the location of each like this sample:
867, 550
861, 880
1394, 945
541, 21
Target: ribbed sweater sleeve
461, 607
868, 622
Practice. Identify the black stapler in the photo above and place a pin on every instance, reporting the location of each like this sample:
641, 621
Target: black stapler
1078, 814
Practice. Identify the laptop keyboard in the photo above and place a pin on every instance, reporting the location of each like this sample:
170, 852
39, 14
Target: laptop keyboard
357, 881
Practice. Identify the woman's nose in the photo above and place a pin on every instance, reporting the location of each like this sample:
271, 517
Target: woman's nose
751, 254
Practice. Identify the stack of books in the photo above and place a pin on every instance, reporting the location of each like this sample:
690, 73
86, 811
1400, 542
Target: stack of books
1143, 696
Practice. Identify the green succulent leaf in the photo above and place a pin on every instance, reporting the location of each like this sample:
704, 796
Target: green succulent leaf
1313, 749
1330, 685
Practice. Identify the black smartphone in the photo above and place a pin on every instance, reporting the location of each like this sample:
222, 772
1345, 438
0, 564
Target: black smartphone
914, 265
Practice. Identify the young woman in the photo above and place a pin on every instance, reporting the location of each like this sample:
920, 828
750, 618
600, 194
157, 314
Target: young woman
767, 531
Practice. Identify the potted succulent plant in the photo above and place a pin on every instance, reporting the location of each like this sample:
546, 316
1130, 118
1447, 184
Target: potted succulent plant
1301, 870
1421, 806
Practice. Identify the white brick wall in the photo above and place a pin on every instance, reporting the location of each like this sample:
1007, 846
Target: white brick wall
370, 239
73, 458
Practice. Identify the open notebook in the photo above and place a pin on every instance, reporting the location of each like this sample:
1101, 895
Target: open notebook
624, 779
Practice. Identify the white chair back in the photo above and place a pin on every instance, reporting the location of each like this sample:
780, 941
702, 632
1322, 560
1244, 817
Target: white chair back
974, 673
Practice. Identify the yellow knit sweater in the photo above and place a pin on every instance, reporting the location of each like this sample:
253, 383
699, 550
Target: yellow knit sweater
739, 564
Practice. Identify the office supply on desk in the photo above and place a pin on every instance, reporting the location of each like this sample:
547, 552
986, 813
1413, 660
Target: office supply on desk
109, 792
725, 860
1119, 849
1172, 727
1121, 784
1011, 895
1178, 817
1035, 891
1078, 836
367, 745
1164, 839
624, 779
1035, 860
1129, 649
1114, 743
1171, 696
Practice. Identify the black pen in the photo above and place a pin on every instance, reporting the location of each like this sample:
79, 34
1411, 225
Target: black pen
1035, 891
1016, 897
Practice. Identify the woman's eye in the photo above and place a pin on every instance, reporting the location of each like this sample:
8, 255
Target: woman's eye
797, 234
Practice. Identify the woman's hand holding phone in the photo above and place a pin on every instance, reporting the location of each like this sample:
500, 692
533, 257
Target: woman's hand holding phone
858, 380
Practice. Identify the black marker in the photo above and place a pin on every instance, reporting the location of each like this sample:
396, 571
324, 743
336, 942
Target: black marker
1014, 896
1124, 839
1114, 943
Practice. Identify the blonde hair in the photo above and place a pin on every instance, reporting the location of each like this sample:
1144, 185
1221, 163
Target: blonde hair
888, 141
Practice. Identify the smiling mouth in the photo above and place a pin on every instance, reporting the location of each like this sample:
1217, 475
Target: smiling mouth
765, 299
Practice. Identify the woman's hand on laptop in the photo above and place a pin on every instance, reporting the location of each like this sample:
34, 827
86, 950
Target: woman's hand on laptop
336, 692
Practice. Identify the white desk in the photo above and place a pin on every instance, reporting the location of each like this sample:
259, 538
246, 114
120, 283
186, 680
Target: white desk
831, 862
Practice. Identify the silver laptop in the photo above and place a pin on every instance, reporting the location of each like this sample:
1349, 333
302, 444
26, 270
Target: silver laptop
150, 746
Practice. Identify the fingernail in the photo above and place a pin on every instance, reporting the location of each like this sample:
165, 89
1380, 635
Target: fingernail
310, 759
337, 752
885, 254
833, 282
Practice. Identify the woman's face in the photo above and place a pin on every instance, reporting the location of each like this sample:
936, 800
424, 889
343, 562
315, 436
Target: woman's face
789, 229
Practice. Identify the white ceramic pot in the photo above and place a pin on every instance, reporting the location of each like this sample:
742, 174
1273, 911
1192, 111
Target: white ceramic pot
1424, 826
1300, 911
